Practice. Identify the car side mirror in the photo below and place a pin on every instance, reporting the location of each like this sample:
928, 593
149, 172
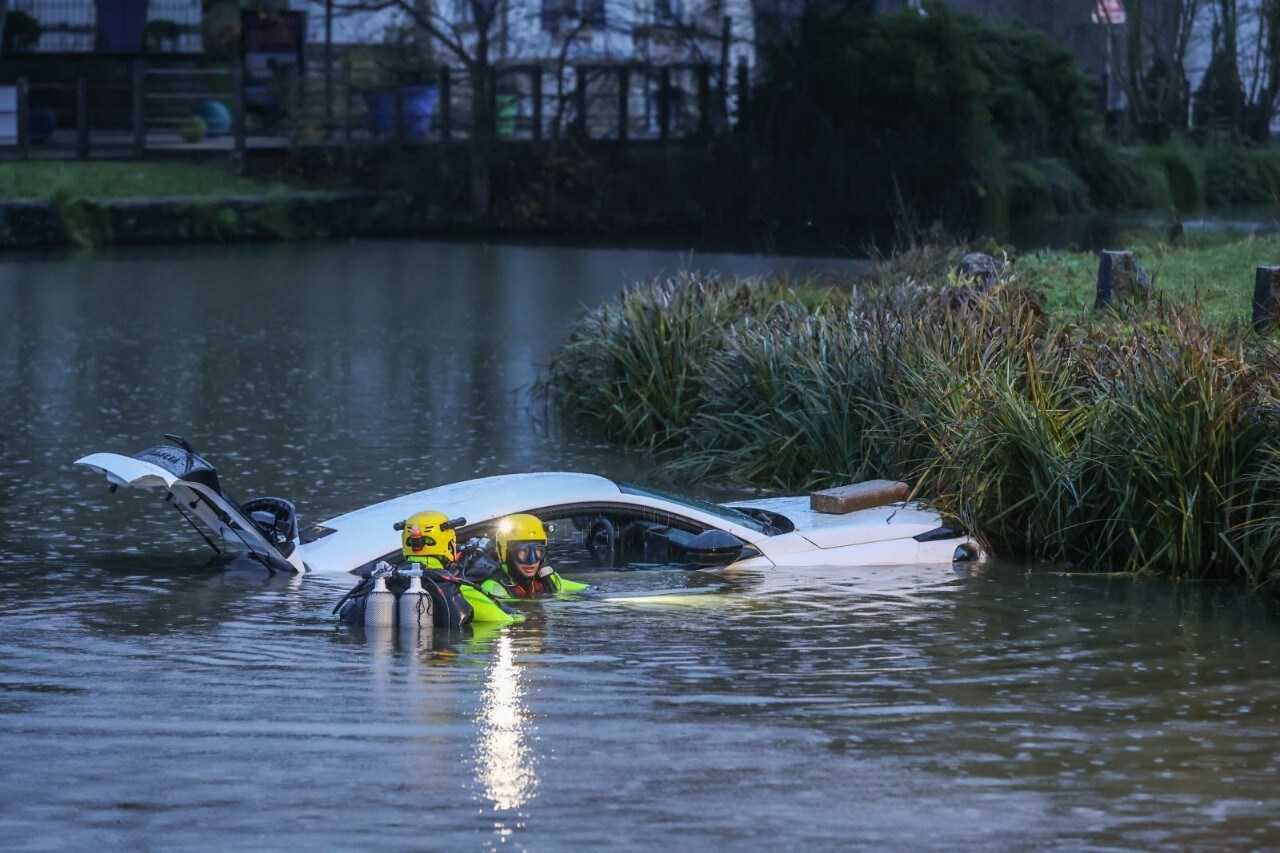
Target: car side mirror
714, 548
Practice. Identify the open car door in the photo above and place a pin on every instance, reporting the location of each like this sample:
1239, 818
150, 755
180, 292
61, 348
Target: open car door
266, 528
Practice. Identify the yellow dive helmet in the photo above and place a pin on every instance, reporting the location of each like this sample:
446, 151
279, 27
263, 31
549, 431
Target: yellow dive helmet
429, 534
523, 534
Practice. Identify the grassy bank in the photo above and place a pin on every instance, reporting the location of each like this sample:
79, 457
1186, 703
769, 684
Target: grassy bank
1217, 273
43, 180
1144, 438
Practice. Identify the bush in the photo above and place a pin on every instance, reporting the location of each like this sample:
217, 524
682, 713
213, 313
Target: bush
928, 109
1046, 186
1234, 175
1183, 170
1122, 179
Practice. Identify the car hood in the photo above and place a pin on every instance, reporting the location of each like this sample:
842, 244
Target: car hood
825, 530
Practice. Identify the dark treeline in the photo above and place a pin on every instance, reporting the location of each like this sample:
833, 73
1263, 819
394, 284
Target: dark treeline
971, 121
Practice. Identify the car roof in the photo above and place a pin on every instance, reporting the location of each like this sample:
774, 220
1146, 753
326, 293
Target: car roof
363, 534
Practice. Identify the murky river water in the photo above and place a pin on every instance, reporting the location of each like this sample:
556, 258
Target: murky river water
149, 702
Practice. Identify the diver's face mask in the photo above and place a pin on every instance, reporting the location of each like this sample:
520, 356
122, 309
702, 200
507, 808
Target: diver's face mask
418, 540
527, 557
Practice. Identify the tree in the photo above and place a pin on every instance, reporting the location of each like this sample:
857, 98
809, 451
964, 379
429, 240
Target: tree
1158, 34
1263, 70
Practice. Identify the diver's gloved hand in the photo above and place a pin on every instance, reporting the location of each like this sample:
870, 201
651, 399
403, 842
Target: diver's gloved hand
546, 572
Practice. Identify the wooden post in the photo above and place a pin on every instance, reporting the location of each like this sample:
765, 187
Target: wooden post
1118, 278
328, 67
580, 97
664, 103
535, 81
491, 78
624, 102
137, 92
744, 95
704, 99
722, 86
24, 118
1266, 298
397, 112
346, 102
82, 118
446, 104
293, 92
237, 114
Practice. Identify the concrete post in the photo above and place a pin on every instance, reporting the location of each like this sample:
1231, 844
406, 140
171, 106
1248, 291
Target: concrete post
1266, 298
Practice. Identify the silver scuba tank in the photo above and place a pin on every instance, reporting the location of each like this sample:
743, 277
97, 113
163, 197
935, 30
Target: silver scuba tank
414, 606
380, 605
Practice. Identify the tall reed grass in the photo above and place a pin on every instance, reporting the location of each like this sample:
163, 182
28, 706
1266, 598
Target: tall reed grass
1141, 439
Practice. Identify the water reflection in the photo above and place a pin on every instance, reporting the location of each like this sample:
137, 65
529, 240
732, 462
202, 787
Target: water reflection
506, 763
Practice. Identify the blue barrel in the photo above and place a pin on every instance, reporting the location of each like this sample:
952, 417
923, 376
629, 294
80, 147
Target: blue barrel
216, 116
418, 104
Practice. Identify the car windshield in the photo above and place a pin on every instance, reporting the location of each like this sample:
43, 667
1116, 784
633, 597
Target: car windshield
736, 516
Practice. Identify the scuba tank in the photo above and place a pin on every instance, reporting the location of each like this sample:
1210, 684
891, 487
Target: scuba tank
380, 605
414, 608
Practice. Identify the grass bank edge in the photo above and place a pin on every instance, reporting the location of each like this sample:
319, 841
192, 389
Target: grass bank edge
125, 179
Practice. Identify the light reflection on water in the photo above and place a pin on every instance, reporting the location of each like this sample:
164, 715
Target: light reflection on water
505, 761
146, 700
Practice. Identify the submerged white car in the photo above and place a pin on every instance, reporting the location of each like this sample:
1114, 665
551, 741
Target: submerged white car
592, 522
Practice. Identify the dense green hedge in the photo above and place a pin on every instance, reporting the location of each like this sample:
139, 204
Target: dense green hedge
973, 120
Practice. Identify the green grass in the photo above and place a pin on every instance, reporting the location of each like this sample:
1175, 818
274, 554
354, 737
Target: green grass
114, 180
1219, 275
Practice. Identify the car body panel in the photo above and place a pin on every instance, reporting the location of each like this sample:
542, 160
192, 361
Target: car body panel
366, 534
827, 530
218, 514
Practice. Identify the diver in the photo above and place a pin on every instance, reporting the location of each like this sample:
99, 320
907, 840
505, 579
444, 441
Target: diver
522, 570
428, 540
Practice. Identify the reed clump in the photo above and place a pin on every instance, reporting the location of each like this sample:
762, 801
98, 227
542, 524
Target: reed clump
1141, 439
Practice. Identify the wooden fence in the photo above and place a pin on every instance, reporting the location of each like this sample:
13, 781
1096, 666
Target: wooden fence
334, 106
